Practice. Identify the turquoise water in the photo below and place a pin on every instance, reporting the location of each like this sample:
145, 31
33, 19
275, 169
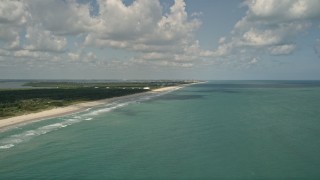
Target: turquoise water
241, 129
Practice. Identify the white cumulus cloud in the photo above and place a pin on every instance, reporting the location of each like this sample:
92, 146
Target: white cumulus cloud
270, 26
43, 40
284, 10
13, 17
62, 17
282, 49
52, 29
142, 27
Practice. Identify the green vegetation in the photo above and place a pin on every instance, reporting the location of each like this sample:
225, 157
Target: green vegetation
16, 102
111, 85
56, 94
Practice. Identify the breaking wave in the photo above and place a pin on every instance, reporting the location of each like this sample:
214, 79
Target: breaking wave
87, 115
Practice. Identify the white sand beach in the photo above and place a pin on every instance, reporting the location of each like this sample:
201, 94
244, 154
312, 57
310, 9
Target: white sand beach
171, 88
62, 111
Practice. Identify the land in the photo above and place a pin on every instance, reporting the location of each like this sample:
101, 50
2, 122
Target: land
18, 102
109, 85
59, 98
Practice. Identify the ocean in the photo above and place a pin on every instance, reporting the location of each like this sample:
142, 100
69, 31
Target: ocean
215, 130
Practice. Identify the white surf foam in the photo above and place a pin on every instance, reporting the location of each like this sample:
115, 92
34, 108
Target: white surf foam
7, 146
12, 140
87, 115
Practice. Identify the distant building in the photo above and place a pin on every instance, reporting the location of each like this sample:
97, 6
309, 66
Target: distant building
147, 88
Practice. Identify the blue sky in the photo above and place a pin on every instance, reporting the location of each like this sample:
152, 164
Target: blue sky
166, 39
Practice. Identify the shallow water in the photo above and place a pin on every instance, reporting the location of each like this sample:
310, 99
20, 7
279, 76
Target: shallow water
13, 84
242, 129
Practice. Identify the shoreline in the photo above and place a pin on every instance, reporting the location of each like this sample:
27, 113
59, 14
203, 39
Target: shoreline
74, 108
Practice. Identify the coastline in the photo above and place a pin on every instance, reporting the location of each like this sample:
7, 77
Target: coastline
74, 108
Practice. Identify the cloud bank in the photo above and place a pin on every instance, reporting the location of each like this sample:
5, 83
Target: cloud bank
270, 27
49, 29
73, 31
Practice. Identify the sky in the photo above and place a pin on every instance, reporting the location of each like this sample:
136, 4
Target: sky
160, 39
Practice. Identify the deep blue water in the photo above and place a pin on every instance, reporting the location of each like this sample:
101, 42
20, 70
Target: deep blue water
221, 129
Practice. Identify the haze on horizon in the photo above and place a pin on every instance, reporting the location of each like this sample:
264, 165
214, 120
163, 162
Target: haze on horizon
160, 39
